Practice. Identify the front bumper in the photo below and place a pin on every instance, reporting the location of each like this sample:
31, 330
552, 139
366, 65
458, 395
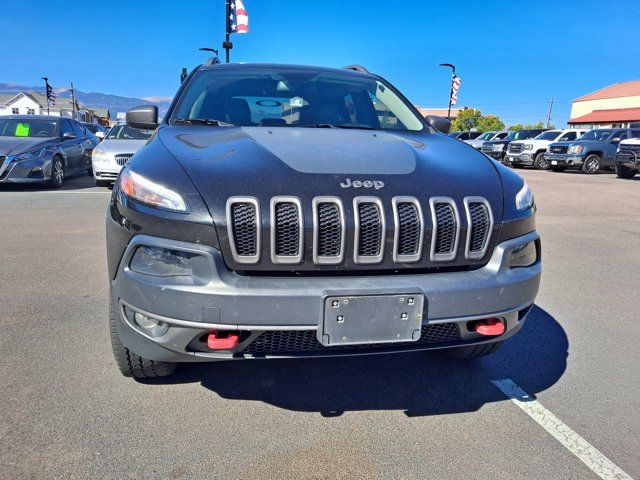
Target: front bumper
221, 299
496, 154
519, 158
628, 159
37, 170
106, 170
564, 160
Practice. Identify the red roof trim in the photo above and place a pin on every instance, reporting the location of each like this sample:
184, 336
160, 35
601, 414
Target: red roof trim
615, 115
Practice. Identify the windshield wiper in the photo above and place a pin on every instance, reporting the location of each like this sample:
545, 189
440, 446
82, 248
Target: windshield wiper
360, 126
203, 121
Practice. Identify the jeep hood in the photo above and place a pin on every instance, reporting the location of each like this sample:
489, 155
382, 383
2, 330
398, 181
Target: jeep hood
264, 162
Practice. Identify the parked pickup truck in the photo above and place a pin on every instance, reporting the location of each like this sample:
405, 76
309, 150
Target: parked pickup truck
594, 151
498, 148
487, 137
532, 152
628, 156
469, 135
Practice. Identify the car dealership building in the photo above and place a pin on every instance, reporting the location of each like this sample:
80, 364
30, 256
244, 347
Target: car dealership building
615, 106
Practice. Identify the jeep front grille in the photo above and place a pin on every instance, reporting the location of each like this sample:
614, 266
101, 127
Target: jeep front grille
286, 230
409, 232
366, 232
446, 230
480, 221
369, 234
328, 231
123, 159
301, 341
244, 229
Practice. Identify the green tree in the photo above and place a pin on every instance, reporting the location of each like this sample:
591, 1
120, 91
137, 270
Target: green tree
490, 123
529, 126
467, 119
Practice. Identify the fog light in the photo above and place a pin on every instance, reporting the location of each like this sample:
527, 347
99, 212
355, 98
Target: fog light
161, 262
524, 255
150, 325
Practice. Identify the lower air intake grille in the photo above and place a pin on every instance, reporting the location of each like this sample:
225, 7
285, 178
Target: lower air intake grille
287, 229
370, 235
244, 228
299, 341
446, 229
409, 225
480, 226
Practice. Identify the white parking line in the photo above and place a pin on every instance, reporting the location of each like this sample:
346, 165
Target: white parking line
590, 455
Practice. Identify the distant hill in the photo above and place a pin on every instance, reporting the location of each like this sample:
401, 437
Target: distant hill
114, 103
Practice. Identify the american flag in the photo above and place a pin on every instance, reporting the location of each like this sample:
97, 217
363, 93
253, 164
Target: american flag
455, 86
51, 96
238, 21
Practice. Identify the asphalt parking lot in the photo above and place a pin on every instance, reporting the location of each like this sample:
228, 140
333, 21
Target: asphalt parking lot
68, 413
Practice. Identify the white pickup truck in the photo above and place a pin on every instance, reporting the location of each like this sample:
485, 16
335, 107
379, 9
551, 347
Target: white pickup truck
533, 151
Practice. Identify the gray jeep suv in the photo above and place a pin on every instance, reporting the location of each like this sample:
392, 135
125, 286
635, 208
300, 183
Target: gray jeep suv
288, 211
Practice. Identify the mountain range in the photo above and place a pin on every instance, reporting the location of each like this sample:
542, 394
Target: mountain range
115, 103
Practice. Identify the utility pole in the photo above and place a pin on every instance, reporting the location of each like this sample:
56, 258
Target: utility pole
453, 72
73, 102
46, 91
549, 116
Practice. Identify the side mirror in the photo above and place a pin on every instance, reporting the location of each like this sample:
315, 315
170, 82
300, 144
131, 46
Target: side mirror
615, 140
100, 135
439, 123
69, 136
144, 117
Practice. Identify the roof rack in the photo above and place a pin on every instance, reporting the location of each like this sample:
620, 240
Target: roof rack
356, 68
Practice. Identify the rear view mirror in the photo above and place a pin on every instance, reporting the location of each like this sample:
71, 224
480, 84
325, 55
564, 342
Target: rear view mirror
144, 117
439, 123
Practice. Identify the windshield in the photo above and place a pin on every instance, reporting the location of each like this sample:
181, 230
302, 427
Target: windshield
486, 136
18, 127
294, 98
550, 135
518, 135
123, 132
597, 135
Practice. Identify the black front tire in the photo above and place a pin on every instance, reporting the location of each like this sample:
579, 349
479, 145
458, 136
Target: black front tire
472, 351
57, 173
625, 172
540, 163
592, 164
132, 365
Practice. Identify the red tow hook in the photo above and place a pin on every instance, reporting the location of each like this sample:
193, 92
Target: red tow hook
222, 340
490, 327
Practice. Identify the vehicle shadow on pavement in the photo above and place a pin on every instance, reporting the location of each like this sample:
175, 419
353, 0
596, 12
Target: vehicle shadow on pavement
79, 182
419, 383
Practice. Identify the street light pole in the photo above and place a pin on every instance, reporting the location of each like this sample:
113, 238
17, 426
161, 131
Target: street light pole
453, 72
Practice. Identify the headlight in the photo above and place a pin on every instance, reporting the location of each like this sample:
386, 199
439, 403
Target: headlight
528, 146
144, 190
100, 156
575, 149
524, 198
32, 155
499, 146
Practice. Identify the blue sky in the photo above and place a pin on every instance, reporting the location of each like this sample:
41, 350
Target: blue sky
512, 56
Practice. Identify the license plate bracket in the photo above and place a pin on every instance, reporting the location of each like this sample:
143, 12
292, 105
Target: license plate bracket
366, 319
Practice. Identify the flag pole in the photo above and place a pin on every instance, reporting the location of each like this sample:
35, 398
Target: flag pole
46, 91
227, 45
